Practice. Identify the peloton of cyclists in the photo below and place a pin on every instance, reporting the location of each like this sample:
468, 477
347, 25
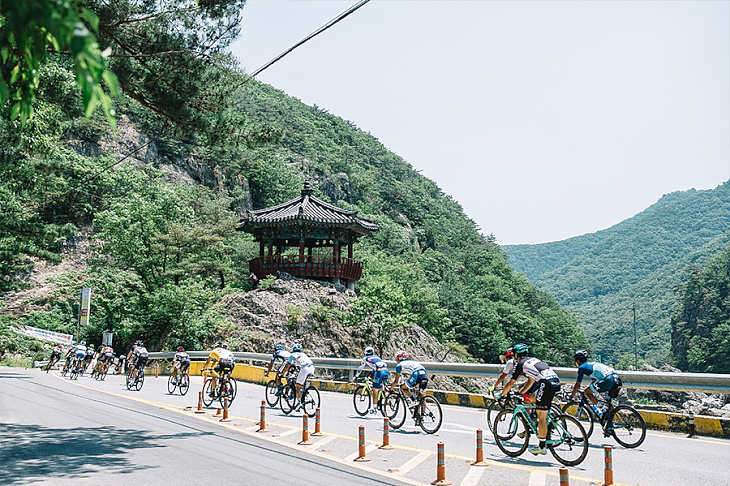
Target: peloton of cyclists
224, 360
279, 358
415, 374
379, 370
180, 363
547, 382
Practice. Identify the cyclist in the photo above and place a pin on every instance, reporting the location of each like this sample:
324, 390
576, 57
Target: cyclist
282, 356
105, 355
306, 369
548, 384
180, 362
79, 353
139, 358
224, 360
416, 374
90, 352
379, 370
603, 379
120, 365
69, 358
509, 366
55, 355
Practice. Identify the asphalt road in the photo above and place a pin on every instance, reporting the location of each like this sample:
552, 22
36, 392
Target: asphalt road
68, 432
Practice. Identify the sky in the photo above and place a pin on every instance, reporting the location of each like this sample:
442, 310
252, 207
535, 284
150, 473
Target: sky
543, 119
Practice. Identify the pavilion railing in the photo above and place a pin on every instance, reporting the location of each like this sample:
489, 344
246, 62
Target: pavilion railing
314, 266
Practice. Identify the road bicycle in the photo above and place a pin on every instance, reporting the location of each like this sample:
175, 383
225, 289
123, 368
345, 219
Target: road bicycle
136, 379
566, 437
76, 368
118, 367
363, 397
55, 358
623, 422
426, 412
507, 401
225, 388
67, 366
310, 397
101, 370
273, 391
182, 383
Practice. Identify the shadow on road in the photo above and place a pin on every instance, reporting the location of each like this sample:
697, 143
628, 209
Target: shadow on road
31, 451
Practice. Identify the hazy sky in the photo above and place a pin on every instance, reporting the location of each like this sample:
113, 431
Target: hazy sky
544, 120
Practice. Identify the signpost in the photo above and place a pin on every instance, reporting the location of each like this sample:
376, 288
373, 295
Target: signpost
84, 309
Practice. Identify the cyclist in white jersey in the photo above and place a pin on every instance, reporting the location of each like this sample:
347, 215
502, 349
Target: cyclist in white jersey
415, 373
306, 369
80, 353
548, 384
509, 367
280, 358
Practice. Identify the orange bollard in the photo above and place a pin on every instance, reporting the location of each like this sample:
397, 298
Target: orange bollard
225, 411
608, 471
564, 479
480, 450
305, 430
386, 434
317, 431
441, 467
218, 412
200, 403
361, 446
262, 421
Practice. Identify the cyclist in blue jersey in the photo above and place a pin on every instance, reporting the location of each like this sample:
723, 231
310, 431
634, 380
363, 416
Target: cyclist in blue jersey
603, 379
380, 372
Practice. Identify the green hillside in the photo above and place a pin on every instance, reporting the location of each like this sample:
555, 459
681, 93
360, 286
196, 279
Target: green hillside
641, 261
159, 199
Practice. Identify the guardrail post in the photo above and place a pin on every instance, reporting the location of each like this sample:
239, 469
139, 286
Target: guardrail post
441, 468
480, 450
305, 430
200, 403
361, 457
691, 424
262, 421
317, 431
564, 479
608, 470
386, 434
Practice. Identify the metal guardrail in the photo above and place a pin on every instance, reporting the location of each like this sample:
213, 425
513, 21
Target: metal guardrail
677, 382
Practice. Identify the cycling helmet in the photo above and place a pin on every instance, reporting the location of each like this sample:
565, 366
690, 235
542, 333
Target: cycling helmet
279, 347
91, 345
217, 344
296, 348
224, 345
401, 356
180, 349
369, 351
520, 349
509, 353
83, 343
138, 343
581, 355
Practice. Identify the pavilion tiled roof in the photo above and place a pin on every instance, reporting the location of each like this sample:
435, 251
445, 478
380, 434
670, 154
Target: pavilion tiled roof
306, 208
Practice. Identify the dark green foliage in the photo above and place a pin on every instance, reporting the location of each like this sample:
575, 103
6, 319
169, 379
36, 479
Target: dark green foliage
701, 324
599, 277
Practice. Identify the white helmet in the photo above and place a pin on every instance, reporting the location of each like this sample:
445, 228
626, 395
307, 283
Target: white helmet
369, 351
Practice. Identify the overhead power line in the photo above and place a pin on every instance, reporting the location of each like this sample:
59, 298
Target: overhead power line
311, 36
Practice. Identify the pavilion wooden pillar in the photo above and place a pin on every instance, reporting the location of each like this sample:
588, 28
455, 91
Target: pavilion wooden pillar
262, 248
336, 251
349, 250
301, 250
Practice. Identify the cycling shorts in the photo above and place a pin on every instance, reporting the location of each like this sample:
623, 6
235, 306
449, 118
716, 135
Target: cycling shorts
546, 390
304, 373
419, 377
80, 355
140, 361
57, 354
224, 366
107, 357
183, 365
611, 383
379, 376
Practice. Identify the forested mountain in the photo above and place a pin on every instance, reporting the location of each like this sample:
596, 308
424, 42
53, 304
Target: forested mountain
159, 199
640, 261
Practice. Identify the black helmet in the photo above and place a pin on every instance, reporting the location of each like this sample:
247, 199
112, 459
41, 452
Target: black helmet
581, 355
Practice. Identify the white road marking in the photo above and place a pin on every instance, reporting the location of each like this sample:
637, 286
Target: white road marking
405, 468
537, 479
473, 476
354, 456
323, 441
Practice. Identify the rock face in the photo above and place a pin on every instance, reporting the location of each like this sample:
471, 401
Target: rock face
303, 311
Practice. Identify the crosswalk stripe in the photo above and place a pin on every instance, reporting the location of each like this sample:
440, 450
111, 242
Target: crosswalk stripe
473, 476
324, 440
413, 462
537, 479
354, 456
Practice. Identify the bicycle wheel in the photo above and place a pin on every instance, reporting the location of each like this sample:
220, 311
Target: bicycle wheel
429, 415
288, 399
140, 380
104, 371
511, 432
567, 440
271, 397
576, 409
234, 388
362, 400
396, 410
310, 400
75, 373
171, 385
627, 426
227, 392
130, 381
494, 408
207, 399
184, 384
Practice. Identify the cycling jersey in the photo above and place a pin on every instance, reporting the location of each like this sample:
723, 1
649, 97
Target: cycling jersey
183, 358
139, 356
509, 367
379, 368
57, 351
80, 351
605, 376
306, 366
414, 371
547, 380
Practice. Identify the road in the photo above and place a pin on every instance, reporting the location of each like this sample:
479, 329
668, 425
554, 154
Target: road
62, 431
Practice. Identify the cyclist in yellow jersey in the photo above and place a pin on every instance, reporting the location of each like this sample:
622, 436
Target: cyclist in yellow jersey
224, 360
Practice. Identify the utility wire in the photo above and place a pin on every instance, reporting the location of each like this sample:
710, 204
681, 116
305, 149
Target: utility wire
310, 36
